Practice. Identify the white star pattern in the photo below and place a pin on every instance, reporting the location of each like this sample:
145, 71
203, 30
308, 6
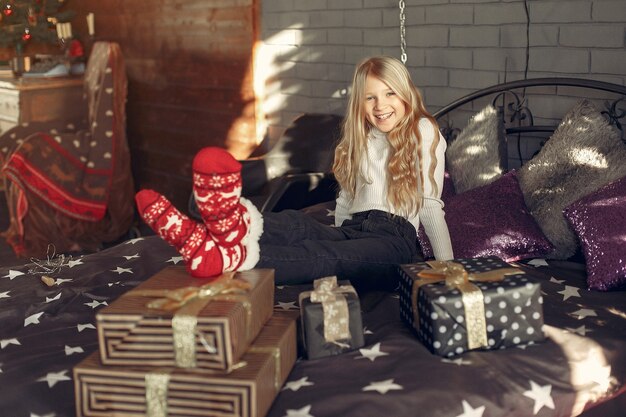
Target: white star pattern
84, 326
60, 281
286, 306
569, 291
53, 377
538, 262
457, 361
383, 386
43, 415
95, 303
302, 412
55, 298
13, 274
540, 395
296, 385
32, 319
302, 392
584, 312
468, 411
6, 342
372, 353
133, 241
581, 330
69, 350
175, 259
73, 262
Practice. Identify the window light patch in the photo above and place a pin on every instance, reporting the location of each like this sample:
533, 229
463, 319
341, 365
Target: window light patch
491, 175
589, 157
487, 111
475, 150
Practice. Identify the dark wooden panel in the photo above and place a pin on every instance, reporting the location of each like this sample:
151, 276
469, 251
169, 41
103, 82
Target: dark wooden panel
188, 69
177, 190
190, 80
174, 142
211, 98
204, 123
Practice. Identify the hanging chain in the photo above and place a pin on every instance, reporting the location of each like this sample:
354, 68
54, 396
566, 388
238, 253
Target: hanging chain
402, 33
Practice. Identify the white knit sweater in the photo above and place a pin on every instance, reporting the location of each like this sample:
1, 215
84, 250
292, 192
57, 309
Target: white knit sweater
370, 195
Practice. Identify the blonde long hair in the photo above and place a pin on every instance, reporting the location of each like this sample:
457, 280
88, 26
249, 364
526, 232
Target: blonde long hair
405, 183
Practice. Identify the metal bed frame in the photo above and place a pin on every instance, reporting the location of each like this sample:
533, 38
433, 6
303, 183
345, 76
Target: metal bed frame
300, 190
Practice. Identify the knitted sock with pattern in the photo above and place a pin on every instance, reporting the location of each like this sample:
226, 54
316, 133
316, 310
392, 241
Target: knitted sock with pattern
204, 256
217, 183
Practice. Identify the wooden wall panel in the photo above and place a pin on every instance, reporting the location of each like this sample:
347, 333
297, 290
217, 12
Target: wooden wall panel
189, 65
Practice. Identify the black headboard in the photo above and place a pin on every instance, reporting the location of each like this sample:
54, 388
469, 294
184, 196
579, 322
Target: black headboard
514, 100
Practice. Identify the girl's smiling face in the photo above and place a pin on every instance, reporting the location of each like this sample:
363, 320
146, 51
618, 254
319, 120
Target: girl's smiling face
383, 108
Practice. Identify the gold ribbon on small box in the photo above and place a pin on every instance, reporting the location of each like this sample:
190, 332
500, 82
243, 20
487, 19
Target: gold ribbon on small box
455, 276
334, 306
188, 302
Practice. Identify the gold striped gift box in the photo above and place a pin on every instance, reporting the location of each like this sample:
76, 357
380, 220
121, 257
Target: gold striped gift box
173, 319
247, 391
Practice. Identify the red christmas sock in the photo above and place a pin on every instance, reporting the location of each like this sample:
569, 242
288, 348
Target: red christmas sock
216, 183
230, 218
204, 257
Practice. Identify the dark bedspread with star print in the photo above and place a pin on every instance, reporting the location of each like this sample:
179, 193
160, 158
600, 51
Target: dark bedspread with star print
45, 330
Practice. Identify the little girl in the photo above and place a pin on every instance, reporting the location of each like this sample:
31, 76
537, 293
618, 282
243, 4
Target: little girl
389, 164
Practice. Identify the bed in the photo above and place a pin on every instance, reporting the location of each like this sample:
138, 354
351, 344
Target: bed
48, 306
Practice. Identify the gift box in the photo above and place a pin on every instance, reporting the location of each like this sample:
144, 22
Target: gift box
247, 391
173, 319
330, 319
468, 304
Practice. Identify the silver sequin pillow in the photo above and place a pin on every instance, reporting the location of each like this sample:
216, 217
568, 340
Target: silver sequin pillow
584, 153
473, 158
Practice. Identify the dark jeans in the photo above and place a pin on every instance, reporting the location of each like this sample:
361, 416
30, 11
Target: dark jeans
368, 247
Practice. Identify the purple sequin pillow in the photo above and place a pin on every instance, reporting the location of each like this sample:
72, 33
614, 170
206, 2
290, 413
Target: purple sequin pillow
492, 220
599, 221
448, 187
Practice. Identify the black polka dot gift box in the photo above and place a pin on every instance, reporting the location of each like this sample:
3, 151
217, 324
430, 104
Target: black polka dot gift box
467, 304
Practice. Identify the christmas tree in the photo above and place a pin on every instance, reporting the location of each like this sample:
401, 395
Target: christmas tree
25, 21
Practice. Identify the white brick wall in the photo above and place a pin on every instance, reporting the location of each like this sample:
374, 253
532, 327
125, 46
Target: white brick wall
310, 47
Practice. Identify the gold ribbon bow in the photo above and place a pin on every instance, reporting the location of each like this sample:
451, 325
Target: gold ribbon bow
455, 276
334, 306
188, 302
171, 300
